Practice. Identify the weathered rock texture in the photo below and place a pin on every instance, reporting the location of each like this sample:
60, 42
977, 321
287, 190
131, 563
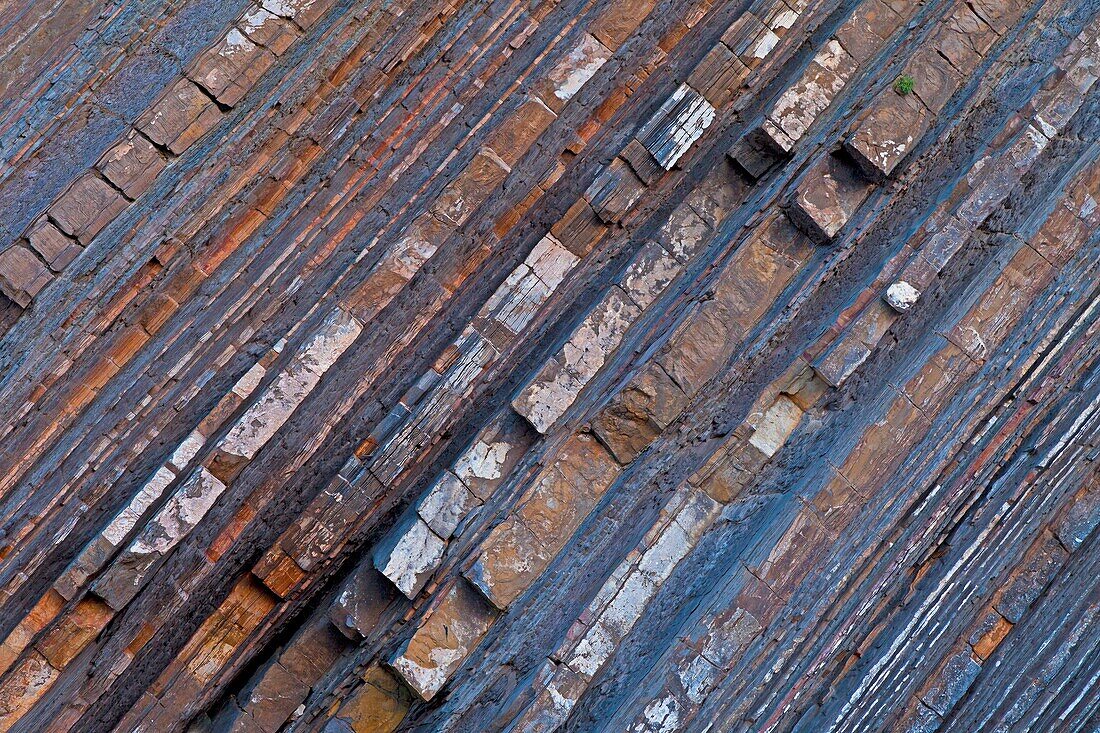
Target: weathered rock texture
549, 365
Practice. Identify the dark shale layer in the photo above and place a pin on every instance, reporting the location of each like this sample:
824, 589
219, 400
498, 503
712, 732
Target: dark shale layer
549, 365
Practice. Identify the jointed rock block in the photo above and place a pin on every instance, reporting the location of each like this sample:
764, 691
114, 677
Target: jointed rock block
865, 31
52, 245
89, 205
182, 116
890, 131
410, 555
438, 647
22, 275
132, 165
679, 122
827, 198
617, 21
718, 76
269, 30
614, 192
573, 72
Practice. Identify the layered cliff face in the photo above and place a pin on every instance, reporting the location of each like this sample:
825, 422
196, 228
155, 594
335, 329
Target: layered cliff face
549, 365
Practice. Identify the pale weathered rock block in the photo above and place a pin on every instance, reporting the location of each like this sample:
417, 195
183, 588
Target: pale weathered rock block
573, 72
547, 397
661, 557
901, 296
628, 605
651, 271
410, 555
561, 687
675, 127
800, 105
498, 447
175, 520
183, 511
445, 637
598, 335
187, 450
332, 339
249, 381
274, 407
775, 425
127, 519
595, 648
446, 504
269, 30
684, 233
303, 12
551, 261
513, 305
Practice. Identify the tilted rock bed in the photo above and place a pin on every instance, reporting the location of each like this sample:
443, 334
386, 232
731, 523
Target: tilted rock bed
622, 365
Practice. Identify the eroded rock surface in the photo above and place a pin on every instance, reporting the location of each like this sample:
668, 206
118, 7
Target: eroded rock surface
543, 367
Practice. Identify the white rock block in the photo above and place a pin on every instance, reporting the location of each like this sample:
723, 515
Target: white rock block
336, 334
127, 519
551, 261
776, 425
274, 407
901, 296
446, 504
411, 556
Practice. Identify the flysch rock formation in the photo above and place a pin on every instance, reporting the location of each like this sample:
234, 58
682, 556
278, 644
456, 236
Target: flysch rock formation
522, 366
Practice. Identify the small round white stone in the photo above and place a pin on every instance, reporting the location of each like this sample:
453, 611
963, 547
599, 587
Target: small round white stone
901, 296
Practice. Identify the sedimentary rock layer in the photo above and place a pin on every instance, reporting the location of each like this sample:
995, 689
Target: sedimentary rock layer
549, 365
